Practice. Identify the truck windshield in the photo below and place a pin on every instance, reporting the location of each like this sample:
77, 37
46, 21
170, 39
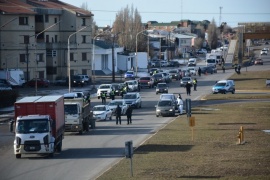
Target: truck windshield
71, 109
32, 126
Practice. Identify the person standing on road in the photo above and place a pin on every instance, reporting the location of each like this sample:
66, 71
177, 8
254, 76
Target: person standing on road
195, 84
180, 104
112, 94
129, 114
118, 112
199, 71
223, 68
188, 88
103, 97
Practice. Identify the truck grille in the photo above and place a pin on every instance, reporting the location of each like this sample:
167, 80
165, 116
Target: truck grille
32, 146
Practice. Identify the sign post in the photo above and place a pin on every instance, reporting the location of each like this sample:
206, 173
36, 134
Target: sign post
129, 154
192, 124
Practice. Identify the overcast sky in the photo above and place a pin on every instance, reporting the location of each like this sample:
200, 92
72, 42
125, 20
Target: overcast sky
232, 11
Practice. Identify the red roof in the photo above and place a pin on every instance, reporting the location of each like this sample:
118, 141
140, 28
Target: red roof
15, 7
20, 7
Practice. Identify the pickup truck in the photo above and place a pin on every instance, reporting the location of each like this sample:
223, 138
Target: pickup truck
106, 88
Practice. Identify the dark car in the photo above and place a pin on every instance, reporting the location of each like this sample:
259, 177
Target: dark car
117, 89
174, 63
158, 78
152, 70
207, 69
40, 82
175, 74
77, 80
162, 88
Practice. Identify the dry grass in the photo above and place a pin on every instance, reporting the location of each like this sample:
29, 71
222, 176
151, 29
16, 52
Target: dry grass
214, 153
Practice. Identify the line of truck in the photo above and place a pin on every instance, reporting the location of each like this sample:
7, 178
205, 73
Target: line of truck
40, 122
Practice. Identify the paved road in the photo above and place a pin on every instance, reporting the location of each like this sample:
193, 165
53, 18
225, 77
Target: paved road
87, 156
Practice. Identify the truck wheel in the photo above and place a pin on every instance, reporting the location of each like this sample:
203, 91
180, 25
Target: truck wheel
18, 156
59, 146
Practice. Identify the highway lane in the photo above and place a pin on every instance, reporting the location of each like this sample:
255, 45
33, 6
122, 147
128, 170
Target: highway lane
89, 155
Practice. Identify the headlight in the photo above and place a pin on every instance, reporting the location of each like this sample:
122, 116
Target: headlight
170, 110
158, 110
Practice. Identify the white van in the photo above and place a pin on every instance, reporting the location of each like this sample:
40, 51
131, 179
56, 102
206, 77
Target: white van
15, 77
211, 62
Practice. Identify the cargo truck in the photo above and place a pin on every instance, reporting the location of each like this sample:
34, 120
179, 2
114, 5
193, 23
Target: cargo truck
78, 114
39, 125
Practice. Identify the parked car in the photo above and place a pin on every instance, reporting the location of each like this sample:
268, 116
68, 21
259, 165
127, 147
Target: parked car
5, 87
185, 80
258, 61
40, 82
162, 88
207, 69
85, 78
175, 74
192, 62
77, 80
170, 97
129, 75
264, 52
146, 81
165, 107
223, 87
133, 99
158, 78
174, 63
102, 112
121, 102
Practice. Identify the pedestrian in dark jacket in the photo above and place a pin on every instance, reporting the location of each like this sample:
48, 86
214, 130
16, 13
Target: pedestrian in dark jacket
118, 112
199, 71
129, 114
188, 88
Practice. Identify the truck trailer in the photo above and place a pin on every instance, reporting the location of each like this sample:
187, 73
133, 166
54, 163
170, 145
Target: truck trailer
39, 125
78, 114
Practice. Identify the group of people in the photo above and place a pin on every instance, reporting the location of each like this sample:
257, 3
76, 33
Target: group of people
118, 112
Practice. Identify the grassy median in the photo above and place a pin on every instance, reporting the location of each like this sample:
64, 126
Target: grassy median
214, 152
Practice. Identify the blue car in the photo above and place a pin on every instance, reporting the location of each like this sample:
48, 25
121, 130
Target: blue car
130, 75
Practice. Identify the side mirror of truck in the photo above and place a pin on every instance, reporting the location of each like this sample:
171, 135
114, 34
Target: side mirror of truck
11, 125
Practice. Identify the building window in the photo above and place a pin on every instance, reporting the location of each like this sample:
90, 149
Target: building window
84, 71
23, 20
38, 18
40, 58
22, 58
84, 56
83, 21
55, 20
26, 39
47, 38
83, 39
46, 18
71, 56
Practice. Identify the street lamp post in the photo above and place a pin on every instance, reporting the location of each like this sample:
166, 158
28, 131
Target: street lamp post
36, 51
137, 51
113, 58
68, 57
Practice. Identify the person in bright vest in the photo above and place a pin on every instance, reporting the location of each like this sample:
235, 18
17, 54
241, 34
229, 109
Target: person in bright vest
112, 94
195, 84
103, 97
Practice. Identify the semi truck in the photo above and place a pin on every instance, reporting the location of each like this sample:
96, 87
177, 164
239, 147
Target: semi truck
15, 77
78, 114
39, 125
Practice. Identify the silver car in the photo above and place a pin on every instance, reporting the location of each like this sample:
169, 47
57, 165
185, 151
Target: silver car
121, 102
165, 107
133, 99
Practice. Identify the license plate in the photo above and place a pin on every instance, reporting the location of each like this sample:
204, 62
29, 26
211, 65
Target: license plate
32, 148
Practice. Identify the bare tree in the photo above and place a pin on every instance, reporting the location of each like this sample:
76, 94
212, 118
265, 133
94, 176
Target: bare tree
128, 23
212, 35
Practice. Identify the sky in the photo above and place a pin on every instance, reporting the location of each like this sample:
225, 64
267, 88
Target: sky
164, 11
